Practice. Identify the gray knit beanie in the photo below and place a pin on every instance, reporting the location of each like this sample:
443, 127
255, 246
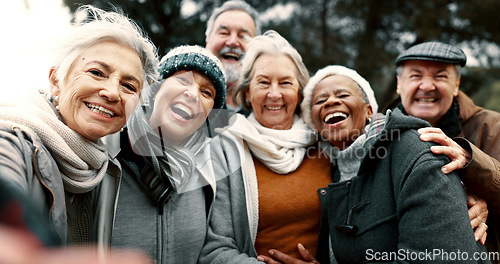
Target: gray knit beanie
193, 57
322, 74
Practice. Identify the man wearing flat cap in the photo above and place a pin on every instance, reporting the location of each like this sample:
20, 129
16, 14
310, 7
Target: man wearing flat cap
428, 79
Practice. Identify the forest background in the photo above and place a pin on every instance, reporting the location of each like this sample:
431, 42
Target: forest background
366, 35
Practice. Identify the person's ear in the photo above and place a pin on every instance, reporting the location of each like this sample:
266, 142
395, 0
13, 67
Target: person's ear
398, 89
54, 82
369, 113
457, 87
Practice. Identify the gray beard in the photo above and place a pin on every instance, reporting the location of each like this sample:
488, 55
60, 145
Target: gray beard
232, 74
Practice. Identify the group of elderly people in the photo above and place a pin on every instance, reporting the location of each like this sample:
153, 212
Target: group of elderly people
120, 153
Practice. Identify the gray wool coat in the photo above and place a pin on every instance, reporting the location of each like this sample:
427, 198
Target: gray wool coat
29, 168
400, 207
229, 239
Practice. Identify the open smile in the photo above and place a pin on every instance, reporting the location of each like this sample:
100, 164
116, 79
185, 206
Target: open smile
274, 107
182, 111
100, 110
231, 56
426, 100
334, 118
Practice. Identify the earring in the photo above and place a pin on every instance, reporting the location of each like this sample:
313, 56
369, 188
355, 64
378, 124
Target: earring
121, 129
55, 102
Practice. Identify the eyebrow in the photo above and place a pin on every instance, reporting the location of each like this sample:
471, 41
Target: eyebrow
338, 90
107, 67
227, 28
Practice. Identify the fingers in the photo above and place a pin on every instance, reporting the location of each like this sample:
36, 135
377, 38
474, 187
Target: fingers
457, 155
434, 134
283, 258
428, 130
267, 260
478, 209
280, 257
482, 241
306, 254
480, 232
478, 213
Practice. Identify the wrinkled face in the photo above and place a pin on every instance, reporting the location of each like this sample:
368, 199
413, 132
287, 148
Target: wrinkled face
427, 88
274, 91
230, 34
182, 105
338, 110
100, 83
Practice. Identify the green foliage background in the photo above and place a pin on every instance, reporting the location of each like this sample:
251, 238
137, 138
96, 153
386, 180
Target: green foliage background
361, 34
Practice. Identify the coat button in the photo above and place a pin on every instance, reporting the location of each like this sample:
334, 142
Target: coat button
347, 229
322, 192
348, 185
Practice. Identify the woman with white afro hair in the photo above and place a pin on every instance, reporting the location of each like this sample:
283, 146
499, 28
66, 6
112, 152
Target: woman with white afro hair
369, 96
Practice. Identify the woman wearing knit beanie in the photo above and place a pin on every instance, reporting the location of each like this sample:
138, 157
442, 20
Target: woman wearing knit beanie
167, 178
389, 194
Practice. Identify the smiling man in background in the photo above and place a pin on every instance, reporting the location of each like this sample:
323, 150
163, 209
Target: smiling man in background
229, 29
428, 80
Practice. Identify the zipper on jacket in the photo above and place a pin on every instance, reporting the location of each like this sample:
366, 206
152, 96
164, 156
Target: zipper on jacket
34, 164
37, 173
160, 209
159, 225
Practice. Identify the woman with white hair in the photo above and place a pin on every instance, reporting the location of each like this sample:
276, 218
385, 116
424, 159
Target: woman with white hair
390, 201
270, 200
50, 142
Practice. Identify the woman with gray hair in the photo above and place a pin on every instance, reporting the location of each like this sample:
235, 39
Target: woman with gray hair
271, 199
50, 143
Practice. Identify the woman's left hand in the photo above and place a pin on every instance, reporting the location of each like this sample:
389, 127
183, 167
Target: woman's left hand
278, 257
458, 155
478, 213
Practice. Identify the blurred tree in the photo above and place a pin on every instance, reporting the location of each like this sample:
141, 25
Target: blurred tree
364, 35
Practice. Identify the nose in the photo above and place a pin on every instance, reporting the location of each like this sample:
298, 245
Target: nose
274, 92
191, 95
427, 84
110, 91
332, 101
233, 40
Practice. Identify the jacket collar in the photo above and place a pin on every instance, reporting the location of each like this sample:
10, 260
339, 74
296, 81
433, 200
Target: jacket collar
449, 123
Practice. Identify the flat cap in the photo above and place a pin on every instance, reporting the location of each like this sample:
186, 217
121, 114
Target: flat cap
433, 51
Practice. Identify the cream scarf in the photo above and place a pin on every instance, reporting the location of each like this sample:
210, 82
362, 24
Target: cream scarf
282, 151
82, 163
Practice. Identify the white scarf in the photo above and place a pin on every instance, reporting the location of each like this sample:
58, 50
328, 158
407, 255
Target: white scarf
82, 163
282, 151
349, 160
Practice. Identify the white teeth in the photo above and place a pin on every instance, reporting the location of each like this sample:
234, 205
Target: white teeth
426, 100
100, 110
336, 114
232, 54
274, 108
184, 108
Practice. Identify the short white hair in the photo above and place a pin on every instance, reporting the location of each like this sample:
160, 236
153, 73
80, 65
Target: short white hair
93, 25
233, 5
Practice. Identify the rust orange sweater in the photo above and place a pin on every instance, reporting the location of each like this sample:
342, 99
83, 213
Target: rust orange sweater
289, 205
